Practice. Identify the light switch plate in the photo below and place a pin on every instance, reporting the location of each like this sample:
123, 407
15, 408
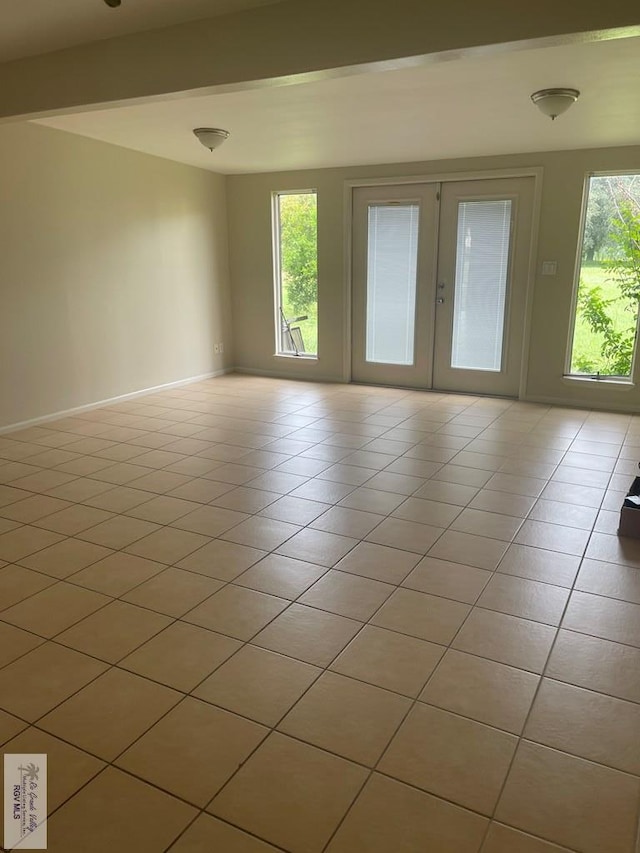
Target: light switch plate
549, 267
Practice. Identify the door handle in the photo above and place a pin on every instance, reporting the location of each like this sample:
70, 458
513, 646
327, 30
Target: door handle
440, 300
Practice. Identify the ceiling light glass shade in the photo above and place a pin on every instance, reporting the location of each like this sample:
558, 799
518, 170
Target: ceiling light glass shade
211, 137
554, 102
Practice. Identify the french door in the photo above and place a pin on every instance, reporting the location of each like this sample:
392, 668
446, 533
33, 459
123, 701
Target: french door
439, 284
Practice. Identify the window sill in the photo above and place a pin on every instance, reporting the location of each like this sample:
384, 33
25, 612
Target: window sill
627, 384
301, 357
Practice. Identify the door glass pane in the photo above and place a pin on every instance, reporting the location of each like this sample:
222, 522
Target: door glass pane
482, 264
391, 283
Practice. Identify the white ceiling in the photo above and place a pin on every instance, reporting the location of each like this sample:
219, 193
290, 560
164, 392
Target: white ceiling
28, 27
463, 107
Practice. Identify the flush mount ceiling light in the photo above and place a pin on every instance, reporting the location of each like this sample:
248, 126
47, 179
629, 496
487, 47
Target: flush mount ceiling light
554, 102
113, 3
211, 137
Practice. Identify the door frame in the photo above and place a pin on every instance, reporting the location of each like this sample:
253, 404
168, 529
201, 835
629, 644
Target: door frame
535, 172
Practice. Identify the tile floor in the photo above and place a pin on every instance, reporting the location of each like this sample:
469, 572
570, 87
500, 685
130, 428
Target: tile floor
251, 615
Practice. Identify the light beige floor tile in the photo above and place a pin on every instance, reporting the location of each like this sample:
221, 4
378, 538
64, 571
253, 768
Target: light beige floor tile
463, 476
258, 684
17, 584
586, 724
609, 579
346, 717
114, 631
110, 713
10, 726
489, 500
55, 608
602, 617
93, 818
281, 576
260, 532
208, 833
193, 750
209, 520
347, 522
347, 595
468, 549
399, 484
449, 580
42, 481
540, 565
316, 546
427, 617
222, 560
293, 510
390, 660
118, 499
181, 656
236, 611
46, 676
540, 602
247, 500
162, 509
405, 535
450, 756
32, 508
506, 639
554, 537
482, 689
372, 500
596, 664
390, 816
168, 545
9, 495
65, 557
308, 634
200, 490
427, 512
22, 541
516, 485
116, 574
489, 524
173, 591
557, 512
611, 549
570, 801
159, 482
121, 473
291, 794
378, 562
118, 532
323, 491
451, 493
68, 768
74, 519
505, 839
14, 642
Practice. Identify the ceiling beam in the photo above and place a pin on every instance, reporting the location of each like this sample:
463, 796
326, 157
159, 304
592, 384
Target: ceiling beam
293, 40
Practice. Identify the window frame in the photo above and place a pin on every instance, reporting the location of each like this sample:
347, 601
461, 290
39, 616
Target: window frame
585, 377
277, 273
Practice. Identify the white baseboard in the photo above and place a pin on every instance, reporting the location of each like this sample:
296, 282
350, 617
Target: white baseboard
143, 392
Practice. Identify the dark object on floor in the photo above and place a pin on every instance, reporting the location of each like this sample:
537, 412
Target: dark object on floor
630, 512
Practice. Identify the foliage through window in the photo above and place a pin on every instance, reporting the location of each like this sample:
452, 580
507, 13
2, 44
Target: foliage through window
606, 315
296, 272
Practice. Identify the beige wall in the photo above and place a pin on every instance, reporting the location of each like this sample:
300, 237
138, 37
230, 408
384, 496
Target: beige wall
113, 272
251, 265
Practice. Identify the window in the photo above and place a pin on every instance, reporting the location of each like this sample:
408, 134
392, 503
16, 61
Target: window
606, 309
295, 232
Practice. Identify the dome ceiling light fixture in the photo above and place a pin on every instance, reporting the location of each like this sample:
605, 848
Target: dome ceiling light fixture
554, 102
113, 4
211, 137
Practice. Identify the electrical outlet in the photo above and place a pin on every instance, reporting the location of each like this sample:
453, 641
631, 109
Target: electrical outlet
221, 347
216, 348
